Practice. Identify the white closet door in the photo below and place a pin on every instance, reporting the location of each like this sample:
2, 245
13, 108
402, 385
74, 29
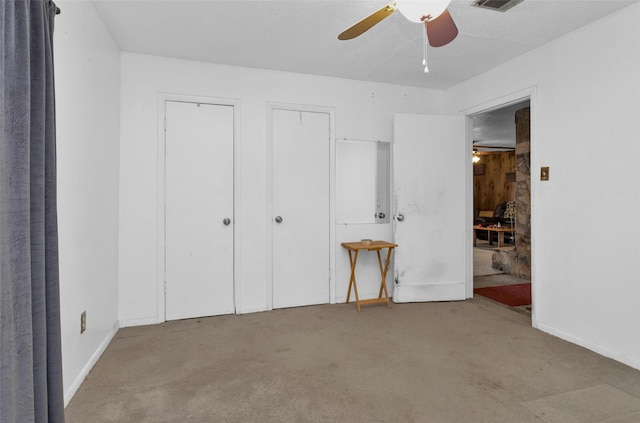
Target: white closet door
301, 189
199, 210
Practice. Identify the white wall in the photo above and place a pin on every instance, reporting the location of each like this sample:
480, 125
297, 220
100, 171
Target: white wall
87, 71
363, 111
585, 112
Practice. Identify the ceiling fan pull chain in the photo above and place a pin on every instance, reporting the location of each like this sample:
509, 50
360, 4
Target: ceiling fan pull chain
425, 43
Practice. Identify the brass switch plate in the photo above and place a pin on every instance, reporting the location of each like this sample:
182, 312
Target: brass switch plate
544, 173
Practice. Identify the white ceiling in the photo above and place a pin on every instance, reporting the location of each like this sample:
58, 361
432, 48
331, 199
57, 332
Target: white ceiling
301, 35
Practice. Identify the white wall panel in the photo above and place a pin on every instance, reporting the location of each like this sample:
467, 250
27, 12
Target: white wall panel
87, 70
584, 112
363, 111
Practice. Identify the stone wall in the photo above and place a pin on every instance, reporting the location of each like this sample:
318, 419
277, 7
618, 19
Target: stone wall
522, 267
517, 262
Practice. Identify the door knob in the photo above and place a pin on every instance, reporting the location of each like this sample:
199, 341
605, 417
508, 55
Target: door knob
226, 221
278, 219
400, 217
381, 215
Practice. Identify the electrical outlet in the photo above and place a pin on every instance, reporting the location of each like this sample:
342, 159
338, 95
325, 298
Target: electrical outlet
83, 321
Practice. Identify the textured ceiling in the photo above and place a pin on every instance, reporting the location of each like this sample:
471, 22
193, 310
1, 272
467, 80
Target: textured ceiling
301, 35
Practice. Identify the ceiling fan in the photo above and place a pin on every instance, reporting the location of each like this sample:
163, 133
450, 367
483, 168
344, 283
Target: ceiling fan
439, 25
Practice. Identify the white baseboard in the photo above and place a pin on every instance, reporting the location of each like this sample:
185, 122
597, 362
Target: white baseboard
87, 368
252, 310
140, 322
604, 351
429, 292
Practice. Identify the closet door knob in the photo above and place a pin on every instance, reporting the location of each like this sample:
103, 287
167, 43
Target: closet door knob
400, 217
278, 219
226, 221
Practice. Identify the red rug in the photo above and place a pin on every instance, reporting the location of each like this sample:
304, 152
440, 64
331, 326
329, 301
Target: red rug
511, 295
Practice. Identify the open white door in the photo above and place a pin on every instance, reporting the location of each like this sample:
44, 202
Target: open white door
430, 164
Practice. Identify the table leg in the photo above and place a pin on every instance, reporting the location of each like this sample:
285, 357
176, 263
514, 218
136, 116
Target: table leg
490, 237
383, 283
383, 276
352, 279
475, 236
350, 276
381, 273
500, 239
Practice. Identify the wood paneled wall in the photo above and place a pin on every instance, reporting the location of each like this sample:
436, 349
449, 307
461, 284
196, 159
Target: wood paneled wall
492, 188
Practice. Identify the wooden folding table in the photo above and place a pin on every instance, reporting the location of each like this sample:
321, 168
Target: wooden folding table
354, 248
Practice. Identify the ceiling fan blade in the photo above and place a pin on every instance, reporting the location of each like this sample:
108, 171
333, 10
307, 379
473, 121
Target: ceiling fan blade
367, 23
441, 30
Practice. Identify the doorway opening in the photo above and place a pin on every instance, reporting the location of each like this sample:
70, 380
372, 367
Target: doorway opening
502, 205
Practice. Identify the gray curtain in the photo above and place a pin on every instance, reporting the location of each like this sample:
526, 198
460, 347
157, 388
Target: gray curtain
30, 353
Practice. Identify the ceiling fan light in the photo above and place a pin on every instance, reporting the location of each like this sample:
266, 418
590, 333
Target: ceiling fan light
414, 10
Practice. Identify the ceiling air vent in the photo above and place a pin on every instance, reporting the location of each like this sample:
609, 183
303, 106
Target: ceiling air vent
497, 5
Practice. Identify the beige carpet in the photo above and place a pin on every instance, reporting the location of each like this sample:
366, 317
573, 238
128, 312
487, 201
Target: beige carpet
470, 361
